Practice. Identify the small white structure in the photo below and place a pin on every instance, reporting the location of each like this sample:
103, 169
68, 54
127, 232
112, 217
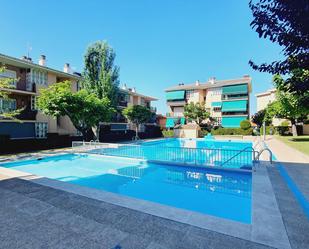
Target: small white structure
187, 131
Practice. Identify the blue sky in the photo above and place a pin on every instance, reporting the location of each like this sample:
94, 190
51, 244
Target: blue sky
159, 43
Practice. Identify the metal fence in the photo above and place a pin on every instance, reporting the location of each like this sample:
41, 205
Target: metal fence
189, 156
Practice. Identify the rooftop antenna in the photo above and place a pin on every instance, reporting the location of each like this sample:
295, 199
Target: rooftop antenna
29, 48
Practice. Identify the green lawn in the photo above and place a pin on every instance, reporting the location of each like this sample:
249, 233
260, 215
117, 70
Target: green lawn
300, 143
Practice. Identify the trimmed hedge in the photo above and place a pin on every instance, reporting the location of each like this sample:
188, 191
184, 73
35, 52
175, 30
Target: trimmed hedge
231, 131
245, 124
168, 133
227, 131
268, 128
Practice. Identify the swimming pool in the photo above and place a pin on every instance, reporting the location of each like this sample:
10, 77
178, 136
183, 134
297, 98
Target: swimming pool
223, 154
220, 193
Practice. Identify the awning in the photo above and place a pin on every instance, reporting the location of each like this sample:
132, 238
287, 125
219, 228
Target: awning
232, 122
216, 104
236, 89
175, 95
182, 121
170, 122
234, 106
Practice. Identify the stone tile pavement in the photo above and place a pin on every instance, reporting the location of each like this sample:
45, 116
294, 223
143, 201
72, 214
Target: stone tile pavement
34, 216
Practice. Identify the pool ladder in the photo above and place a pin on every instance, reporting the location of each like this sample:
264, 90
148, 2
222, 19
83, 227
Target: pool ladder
256, 154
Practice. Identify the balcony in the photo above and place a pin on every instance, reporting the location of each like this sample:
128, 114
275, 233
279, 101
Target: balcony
27, 114
122, 103
176, 103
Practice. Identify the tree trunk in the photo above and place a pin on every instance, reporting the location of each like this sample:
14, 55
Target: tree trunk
294, 130
96, 132
136, 132
87, 135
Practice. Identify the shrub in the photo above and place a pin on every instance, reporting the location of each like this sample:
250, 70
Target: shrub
245, 124
269, 129
168, 133
203, 133
231, 131
282, 130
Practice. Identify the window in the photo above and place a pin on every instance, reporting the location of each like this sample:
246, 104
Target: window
190, 94
9, 74
33, 103
39, 77
215, 91
7, 105
40, 130
218, 121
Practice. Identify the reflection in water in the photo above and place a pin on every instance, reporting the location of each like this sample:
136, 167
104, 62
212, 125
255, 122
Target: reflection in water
240, 186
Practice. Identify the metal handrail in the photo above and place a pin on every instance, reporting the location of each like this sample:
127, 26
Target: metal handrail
270, 154
243, 150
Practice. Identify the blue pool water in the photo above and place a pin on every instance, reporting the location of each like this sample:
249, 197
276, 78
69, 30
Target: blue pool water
201, 143
210, 191
188, 151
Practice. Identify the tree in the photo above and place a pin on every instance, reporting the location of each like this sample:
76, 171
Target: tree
197, 112
286, 106
284, 22
258, 118
137, 114
297, 84
84, 109
100, 75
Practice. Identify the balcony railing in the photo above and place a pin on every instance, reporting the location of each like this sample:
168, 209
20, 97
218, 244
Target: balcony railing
27, 114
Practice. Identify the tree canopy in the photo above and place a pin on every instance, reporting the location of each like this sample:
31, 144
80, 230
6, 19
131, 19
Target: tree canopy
284, 22
137, 114
84, 109
100, 75
288, 106
196, 112
258, 118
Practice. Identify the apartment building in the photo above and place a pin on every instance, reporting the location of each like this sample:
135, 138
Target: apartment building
263, 100
30, 78
128, 97
226, 100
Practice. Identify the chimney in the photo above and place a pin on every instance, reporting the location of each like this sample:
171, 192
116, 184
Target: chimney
246, 76
124, 87
197, 83
67, 68
133, 90
212, 80
42, 60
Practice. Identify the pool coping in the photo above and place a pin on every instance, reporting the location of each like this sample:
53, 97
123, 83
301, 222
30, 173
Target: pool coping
266, 227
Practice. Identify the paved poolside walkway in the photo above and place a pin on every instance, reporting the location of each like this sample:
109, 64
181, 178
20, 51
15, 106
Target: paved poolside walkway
34, 216
296, 165
295, 162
